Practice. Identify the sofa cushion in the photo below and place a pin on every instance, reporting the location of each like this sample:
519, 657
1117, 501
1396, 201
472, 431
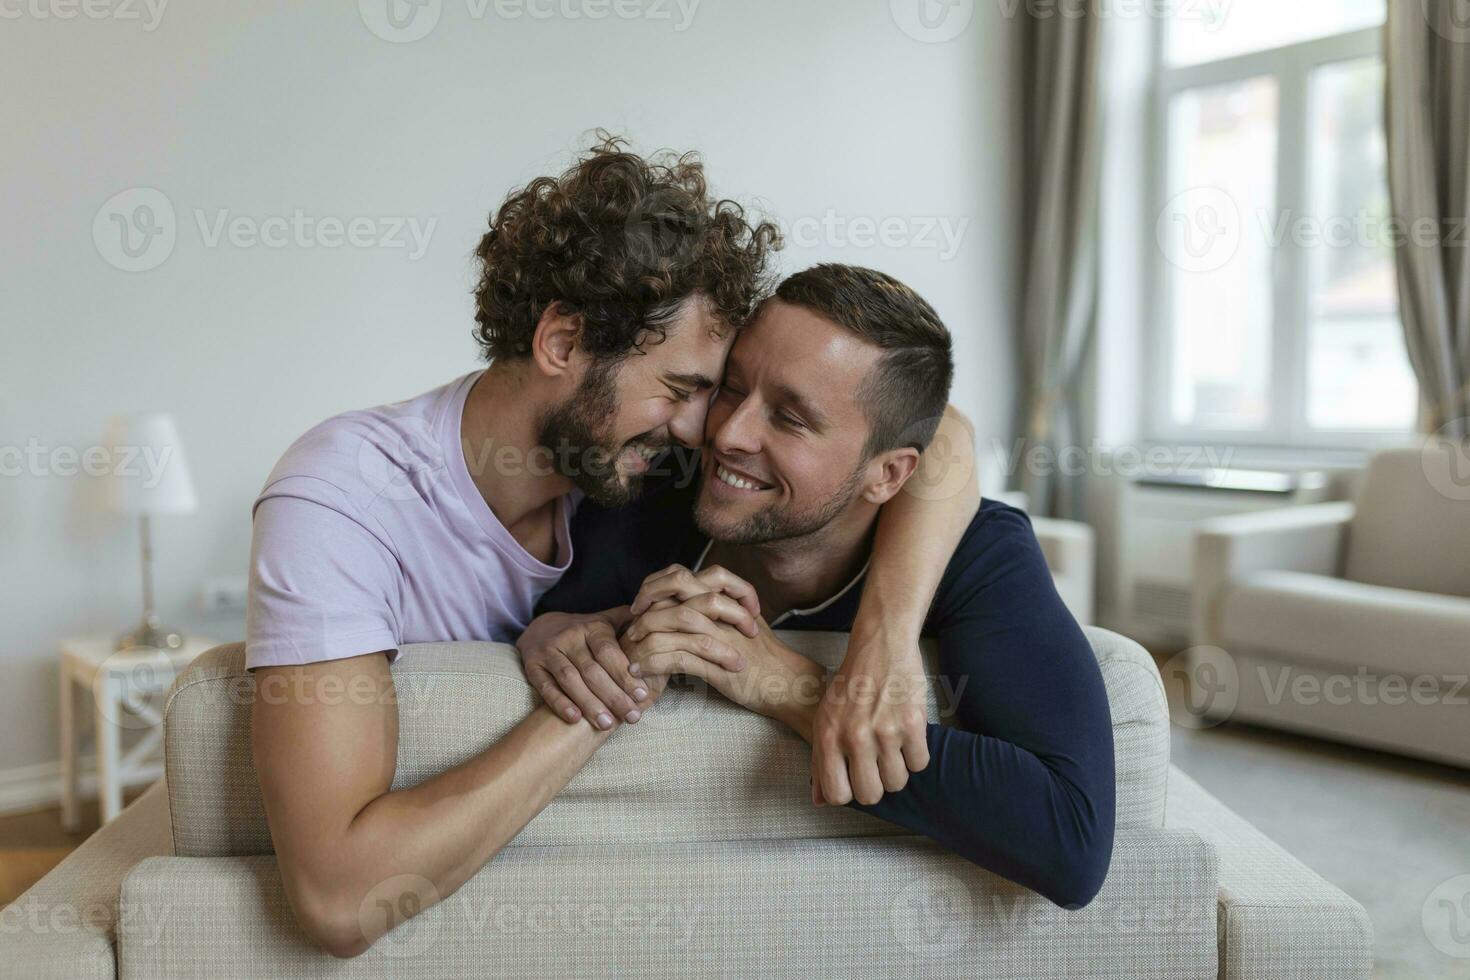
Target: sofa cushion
1411, 527
1335, 622
696, 768
895, 907
1279, 920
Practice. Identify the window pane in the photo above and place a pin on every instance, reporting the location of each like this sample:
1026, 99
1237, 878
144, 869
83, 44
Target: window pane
1203, 30
1222, 168
1358, 374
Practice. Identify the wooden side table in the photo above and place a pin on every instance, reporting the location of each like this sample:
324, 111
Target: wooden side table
127, 690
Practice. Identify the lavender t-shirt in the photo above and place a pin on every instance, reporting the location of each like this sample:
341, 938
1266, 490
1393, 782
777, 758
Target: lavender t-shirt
370, 534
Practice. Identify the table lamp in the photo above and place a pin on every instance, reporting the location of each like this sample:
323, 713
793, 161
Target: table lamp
148, 476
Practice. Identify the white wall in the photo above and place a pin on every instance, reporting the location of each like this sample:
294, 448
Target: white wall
264, 108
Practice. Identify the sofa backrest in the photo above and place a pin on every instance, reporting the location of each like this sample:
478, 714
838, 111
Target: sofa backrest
696, 768
1411, 521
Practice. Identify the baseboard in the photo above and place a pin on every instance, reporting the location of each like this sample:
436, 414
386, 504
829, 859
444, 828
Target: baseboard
35, 786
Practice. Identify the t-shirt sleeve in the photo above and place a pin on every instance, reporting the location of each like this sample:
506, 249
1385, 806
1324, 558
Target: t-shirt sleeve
323, 586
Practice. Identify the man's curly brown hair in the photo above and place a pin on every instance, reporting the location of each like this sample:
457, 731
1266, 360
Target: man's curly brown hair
622, 241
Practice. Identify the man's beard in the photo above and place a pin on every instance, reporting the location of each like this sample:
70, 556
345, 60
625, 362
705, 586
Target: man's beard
774, 523
579, 434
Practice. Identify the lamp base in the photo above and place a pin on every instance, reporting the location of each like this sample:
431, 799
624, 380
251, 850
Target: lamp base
150, 636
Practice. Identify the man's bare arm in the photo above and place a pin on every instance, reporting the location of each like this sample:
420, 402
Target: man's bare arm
866, 745
325, 742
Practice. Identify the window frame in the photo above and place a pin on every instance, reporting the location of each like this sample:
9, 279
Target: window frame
1291, 66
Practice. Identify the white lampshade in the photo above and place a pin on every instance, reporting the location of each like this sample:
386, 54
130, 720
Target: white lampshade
147, 472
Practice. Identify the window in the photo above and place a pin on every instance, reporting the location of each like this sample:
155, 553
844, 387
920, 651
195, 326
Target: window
1276, 303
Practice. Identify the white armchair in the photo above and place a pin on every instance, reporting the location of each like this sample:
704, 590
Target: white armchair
1349, 621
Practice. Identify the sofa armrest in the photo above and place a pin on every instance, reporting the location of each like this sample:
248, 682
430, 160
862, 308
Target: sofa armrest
1068, 547
1278, 919
1289, 539
65, 926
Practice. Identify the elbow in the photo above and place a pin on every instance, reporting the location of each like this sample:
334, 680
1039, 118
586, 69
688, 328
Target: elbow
330, 922
1079, 875
1077, 885
336, 930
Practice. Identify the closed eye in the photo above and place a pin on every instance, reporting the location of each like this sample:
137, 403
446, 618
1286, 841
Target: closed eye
790, 421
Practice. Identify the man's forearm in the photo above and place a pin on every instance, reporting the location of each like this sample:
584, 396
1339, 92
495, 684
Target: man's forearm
437, 834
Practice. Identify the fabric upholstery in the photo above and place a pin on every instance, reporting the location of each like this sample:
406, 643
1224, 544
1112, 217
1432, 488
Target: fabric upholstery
1331, 621
1230, 549
1411, 529
891, 907
65, 925
1379, 711
696, 768
1278, 920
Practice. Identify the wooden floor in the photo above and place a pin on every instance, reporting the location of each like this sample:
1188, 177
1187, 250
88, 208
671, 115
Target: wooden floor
33, 842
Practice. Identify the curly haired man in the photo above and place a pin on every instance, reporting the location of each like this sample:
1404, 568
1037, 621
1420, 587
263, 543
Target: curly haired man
607, 302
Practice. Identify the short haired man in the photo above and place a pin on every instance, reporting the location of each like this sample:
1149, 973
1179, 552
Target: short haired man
826, 406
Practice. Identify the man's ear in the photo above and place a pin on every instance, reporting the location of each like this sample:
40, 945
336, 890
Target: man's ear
888, 472
555, 341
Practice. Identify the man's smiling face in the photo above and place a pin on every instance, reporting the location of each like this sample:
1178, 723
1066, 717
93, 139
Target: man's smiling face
623, 414
785, 436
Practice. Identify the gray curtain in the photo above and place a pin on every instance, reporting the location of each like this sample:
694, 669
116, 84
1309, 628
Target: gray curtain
1060, 166
1427, 119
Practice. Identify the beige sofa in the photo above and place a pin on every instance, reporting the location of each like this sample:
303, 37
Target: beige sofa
687, 847
1348, 620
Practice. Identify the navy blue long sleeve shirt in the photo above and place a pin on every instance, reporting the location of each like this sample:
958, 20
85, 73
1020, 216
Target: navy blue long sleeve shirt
1021, 777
